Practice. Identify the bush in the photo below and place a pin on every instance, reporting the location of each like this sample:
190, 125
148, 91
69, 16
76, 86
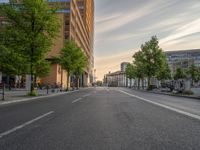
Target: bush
188, 92
34, 93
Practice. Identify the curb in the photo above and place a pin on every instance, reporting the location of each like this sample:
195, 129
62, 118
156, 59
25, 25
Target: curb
35, 98
185, 96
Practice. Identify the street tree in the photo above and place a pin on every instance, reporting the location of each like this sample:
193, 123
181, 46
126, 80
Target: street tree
72, 59
152, 58
194, 73
179, 74
164, 73
11, 63
139, 67
130, 73
80, 65
31, 27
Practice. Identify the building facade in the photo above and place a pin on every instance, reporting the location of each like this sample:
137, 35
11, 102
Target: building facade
77, 24
124, 65
118, 78
183, 59
77, 19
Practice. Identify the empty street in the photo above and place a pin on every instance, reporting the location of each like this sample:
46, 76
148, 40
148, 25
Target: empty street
102, 119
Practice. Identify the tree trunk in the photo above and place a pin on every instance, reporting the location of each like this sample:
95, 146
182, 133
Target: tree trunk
32, 86
130, 83
127, 82
67, 80
143, 83
138, 83
77, 83
149, 82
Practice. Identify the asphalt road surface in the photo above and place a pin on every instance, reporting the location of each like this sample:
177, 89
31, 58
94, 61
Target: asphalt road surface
102, 119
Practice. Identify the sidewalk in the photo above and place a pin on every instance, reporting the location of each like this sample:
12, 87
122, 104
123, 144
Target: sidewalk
174, 94
15, 96
170, 93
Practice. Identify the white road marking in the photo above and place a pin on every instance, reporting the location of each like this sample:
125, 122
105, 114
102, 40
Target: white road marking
24, 124
86, 95
76, 100
164, 106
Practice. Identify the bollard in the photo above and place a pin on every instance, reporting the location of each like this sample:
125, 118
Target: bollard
47, 89
3, 92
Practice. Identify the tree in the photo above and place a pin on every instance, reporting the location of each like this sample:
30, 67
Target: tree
164, 73
139, 67
130, 72
31, 28
12, 63
179, 74
152, 58
42, 68
72, 59
81, 63
194, 73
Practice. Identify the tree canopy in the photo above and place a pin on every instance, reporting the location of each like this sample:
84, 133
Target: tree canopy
150, 61
179, 74
30, 30
72, 59
194, 73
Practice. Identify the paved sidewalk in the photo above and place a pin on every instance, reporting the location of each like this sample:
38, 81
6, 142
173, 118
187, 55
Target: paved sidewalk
169, 93
15, 96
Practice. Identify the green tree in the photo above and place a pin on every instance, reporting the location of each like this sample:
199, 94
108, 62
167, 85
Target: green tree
164, 73
31, 28
194, 73
130, 72
179, 74
72, 59
80, 65
12, 63
42, 68
139, 67
152, 58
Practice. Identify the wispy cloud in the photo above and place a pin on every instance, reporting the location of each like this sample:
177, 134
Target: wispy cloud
106, 23
185, 30
120, 26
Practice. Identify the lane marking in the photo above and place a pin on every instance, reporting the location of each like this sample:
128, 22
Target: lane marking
76, 100
24, 124
164, 106
86, 95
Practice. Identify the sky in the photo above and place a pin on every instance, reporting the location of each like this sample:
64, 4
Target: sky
121, 26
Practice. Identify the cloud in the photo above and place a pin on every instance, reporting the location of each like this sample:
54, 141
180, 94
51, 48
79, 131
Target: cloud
111, 63
121, 25
185, 30
115, 21
107, 17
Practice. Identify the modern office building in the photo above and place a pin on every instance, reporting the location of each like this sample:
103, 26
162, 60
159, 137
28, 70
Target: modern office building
77, 24
77, 18
183, 58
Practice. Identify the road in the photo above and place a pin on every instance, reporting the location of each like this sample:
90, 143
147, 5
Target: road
102, 119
